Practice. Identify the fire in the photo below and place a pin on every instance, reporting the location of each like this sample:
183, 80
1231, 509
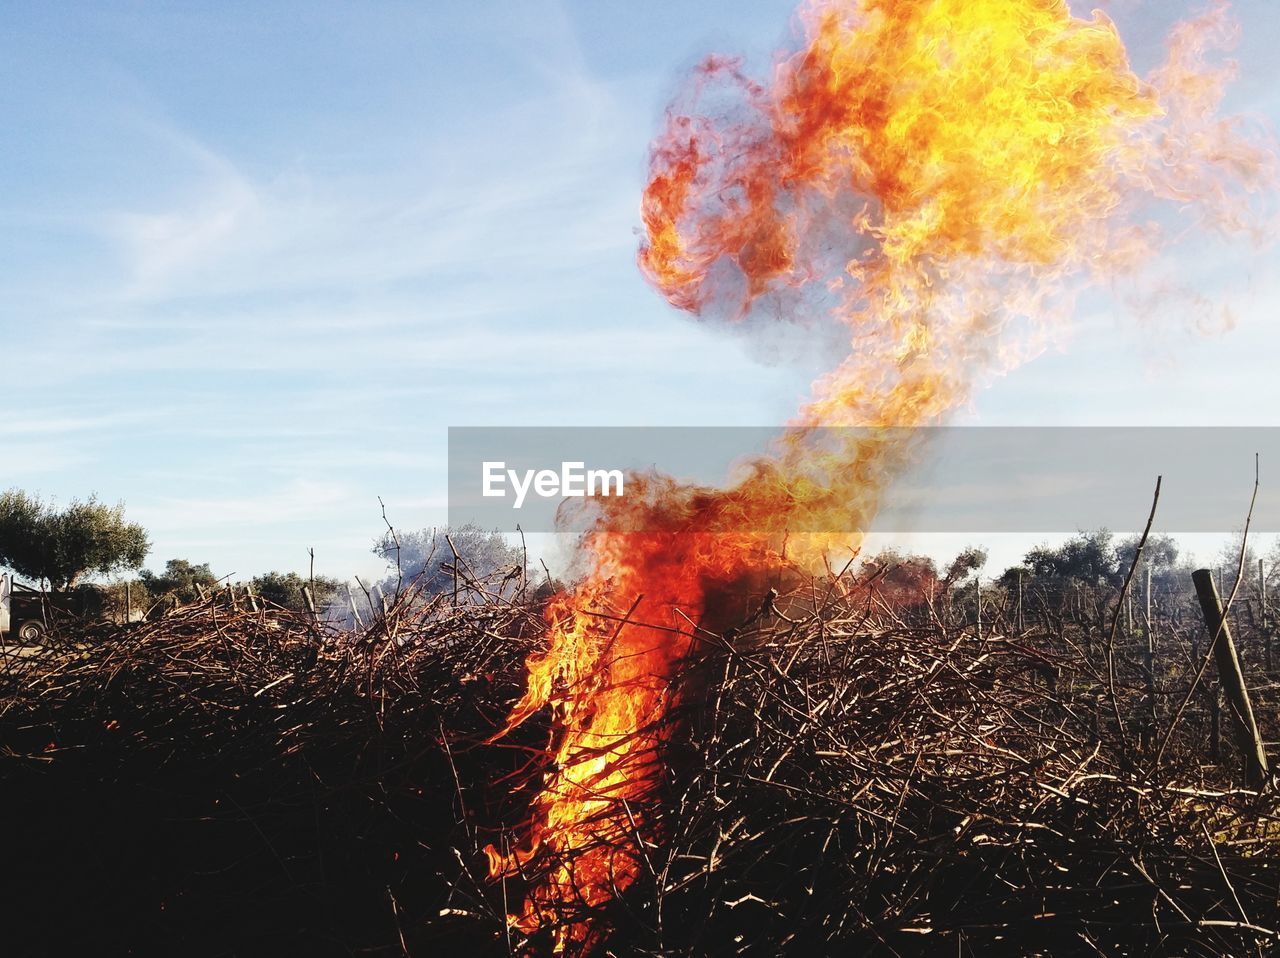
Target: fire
940, 176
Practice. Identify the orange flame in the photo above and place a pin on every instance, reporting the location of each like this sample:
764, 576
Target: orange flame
938, 175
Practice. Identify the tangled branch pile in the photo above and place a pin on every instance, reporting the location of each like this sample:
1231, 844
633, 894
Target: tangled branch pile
842, 778
864, 787
229, 782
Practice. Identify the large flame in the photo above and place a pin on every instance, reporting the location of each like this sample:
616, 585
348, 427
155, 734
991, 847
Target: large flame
938, 175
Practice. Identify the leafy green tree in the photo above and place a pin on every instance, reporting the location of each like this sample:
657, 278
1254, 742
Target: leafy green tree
285, 589
1009, 577
61, 546
179, 580
971, 559
121, 601
1087, 558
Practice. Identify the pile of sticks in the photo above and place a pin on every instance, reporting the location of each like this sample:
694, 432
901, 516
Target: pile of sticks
839, 782
840, 778
859, 787
225, 780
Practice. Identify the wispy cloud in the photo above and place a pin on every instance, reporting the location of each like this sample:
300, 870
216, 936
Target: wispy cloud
525, 192
299, 500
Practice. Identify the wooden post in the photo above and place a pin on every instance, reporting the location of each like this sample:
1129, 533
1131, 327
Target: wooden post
200, 591
309, 600
253, 599
1215, 722
355, 613
1267, 652
128, 602
1231, 678
1151, 627
1022, 628
1150, 663
977, 594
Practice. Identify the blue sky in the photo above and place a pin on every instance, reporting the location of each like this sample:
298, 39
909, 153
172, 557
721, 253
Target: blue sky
256, 258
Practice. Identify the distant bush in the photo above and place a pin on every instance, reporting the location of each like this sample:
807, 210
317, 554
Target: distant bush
285, 589
1088, 558
181, 580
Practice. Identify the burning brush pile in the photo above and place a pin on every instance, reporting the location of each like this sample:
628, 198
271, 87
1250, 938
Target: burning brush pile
838, 774
712, 744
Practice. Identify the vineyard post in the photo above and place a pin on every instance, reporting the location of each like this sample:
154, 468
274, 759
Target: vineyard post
1022, 628
1231, 681
1215, 721
1149, 628
355, 613
977, 594
1267, 651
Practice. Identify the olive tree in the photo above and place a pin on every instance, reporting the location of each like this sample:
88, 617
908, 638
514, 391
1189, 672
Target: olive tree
427, 557
61, 546
285, 589
181, 580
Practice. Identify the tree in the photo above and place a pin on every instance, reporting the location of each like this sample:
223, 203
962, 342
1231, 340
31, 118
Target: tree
901, 580
285, 589
43, 543
426, 557
1227, 562
1271, 568
179, 580
1160, 552
970, 559
1087, 558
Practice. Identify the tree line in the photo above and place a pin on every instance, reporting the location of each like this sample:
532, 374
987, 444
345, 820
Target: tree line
60, 547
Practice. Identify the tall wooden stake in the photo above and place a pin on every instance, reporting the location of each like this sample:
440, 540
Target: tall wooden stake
977, 595
1231, 678
1022, 628
1151, 662
1151, 621
1266, 620
1215, 722
355, 613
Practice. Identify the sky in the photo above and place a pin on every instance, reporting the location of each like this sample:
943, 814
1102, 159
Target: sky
255, 259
